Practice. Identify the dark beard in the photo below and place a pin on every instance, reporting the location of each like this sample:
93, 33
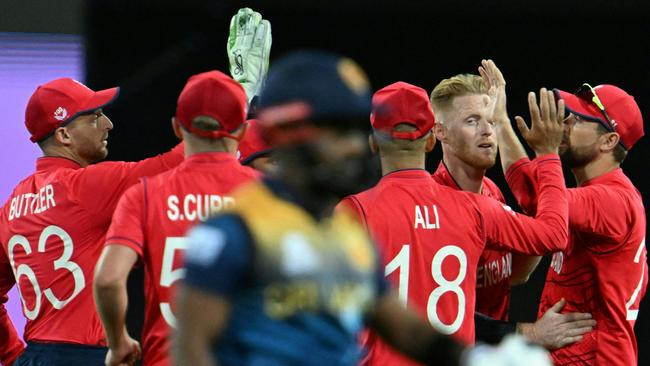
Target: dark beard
320, 183
351, 176
575, 159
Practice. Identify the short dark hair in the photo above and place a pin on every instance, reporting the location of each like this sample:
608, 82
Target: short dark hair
619, 151
206, 123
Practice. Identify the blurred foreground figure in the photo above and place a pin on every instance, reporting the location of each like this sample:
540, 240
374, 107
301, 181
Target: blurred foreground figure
279, 280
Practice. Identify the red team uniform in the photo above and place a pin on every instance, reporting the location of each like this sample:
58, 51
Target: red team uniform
495, 266
153, 216
51, 230
432, 236
152, 219
53, 225
603, 270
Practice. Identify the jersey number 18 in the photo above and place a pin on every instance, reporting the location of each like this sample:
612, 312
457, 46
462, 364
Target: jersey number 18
402, 262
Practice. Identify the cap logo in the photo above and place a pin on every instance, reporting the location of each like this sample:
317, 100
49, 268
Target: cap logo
353, 76
613, 123
60, 114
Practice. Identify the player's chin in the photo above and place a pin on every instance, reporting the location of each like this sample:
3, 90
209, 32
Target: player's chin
485, 159
101, 154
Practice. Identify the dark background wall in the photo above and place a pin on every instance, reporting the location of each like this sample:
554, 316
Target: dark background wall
150, 48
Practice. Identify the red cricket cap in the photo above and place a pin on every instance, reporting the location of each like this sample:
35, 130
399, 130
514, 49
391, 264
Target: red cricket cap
621, 108
253, 145
216, 95
401, 102
59, 102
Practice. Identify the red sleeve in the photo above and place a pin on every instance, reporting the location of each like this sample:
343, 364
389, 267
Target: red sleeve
600, 211
521, 177
10, 344
547, 232
351, 205
127, 226
99, 186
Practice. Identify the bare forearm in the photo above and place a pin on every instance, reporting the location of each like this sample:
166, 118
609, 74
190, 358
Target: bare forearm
111, 301
510, 148
522, 267
412, 336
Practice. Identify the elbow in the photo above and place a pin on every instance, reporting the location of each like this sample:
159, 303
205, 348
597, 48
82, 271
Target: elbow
106, 281
563, 237
517, 280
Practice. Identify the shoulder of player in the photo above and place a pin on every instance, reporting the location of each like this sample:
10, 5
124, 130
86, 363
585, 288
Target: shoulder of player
246, 170
229, 224
491, 189
369, 196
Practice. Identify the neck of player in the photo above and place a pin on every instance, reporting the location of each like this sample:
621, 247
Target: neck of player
467, 177
197, 145
395, 162
602, 164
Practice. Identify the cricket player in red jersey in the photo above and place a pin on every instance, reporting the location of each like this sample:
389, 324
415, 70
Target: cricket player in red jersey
604, 268
464, 125
432, 236
254, 151
465, 129
54, 223
152, 217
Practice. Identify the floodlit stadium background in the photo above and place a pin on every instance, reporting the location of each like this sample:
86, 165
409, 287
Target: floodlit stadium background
150, 48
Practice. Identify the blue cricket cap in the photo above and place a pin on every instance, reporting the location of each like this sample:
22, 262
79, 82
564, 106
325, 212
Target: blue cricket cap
319, 86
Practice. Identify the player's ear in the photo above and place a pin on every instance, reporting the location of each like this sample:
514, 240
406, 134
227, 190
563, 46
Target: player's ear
373, 144
440, 131
62, 136
241, 131
609, 141
431, 142
177, 129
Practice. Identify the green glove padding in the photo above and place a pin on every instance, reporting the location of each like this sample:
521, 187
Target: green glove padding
249, 47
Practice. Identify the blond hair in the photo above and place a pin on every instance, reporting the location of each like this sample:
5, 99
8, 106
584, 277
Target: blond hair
460, 85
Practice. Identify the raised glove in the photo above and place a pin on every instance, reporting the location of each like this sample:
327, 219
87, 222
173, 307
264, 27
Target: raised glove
249, 47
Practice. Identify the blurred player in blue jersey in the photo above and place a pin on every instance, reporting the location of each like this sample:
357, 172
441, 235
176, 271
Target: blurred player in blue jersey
280, 280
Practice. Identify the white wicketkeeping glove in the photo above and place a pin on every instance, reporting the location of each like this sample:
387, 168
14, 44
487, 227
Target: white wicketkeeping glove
249, 47
512, 351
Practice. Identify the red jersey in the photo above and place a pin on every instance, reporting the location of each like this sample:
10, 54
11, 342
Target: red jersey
10, 344
603, 270
52, 229
152, 218
432, 237
494, 266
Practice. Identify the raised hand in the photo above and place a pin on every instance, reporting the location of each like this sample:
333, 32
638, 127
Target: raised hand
545, 134
496, 88
249, 48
